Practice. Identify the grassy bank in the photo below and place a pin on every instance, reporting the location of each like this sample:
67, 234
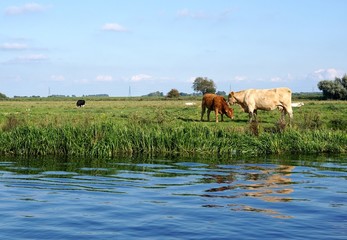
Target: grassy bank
110, 128
111, 139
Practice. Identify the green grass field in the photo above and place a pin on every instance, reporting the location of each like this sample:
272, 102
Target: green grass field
112, 126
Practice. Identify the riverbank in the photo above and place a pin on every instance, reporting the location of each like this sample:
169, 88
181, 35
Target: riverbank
109, 140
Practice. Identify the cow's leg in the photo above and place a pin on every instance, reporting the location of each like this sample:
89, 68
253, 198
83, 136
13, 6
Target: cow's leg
216, 113
290, 118
203, 109
289, 111
250, 116
208, 114
283, 114
283, 117
284, 111
255, 113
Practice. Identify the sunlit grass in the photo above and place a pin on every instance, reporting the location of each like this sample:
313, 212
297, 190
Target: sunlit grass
162, 127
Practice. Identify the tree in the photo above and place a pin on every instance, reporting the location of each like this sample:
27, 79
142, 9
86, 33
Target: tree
221, 93
174, 93
336, 89
342, 81
204, 85
155, 94
2, 96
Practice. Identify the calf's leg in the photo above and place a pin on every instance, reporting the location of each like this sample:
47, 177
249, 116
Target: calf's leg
216, 112
208, 114
203, 109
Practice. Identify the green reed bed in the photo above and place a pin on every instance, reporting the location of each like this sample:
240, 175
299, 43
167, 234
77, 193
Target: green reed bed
184, 139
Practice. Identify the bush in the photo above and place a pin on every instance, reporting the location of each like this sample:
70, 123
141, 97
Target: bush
11, 122
312, 121
338, 124
174, 93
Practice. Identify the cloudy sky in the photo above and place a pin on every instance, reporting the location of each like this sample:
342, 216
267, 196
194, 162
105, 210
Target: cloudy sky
106, 47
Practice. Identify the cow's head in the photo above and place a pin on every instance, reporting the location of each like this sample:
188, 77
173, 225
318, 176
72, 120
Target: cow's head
231, 98
230, 113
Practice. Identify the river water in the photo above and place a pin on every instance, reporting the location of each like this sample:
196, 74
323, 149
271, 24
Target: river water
140, 198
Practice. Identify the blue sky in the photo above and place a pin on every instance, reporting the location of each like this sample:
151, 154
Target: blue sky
105, 47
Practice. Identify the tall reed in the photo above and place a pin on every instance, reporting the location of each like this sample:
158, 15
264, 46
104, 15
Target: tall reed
109, 139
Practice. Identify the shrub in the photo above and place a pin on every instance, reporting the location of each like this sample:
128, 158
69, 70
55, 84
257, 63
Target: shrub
11, 122
340, 124
174, 93
312, 121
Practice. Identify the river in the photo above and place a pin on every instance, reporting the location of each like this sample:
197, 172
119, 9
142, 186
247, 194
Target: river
291, 197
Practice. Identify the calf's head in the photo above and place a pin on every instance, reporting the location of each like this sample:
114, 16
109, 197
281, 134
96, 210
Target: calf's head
230, 112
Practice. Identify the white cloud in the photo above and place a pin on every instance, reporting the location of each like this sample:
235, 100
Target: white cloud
104, 78
276, 79
82, 81
26, 8
113, 27
325, 74
33, 58
58, 78
13, 46
140, 77
226, 13
185, 13
191, 79
240, 78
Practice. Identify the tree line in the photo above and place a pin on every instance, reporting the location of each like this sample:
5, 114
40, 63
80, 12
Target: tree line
334, 89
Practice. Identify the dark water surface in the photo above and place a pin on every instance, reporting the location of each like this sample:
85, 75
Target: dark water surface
269, 198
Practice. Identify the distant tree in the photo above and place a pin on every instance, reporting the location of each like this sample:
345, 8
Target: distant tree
155, 94
95, 95
221, 93
342, 81
335, 89
184, 94
204, 85
2, 96
173, 93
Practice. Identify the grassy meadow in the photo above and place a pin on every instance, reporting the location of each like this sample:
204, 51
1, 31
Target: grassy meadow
133, 126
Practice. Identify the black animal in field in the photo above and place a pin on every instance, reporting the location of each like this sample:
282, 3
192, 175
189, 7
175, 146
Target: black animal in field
80, 103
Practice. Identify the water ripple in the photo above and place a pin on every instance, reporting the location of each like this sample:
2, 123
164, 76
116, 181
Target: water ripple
172, 199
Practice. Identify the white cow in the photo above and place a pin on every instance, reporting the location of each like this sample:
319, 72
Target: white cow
297, 104
190, 103
263, 99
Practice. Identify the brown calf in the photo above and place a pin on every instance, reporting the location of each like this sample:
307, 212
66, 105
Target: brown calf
216, 103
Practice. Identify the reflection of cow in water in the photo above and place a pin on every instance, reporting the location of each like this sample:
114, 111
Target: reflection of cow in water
80, 103
271, 184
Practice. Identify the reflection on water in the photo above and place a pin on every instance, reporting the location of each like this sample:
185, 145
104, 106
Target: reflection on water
173, 198
266, 183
